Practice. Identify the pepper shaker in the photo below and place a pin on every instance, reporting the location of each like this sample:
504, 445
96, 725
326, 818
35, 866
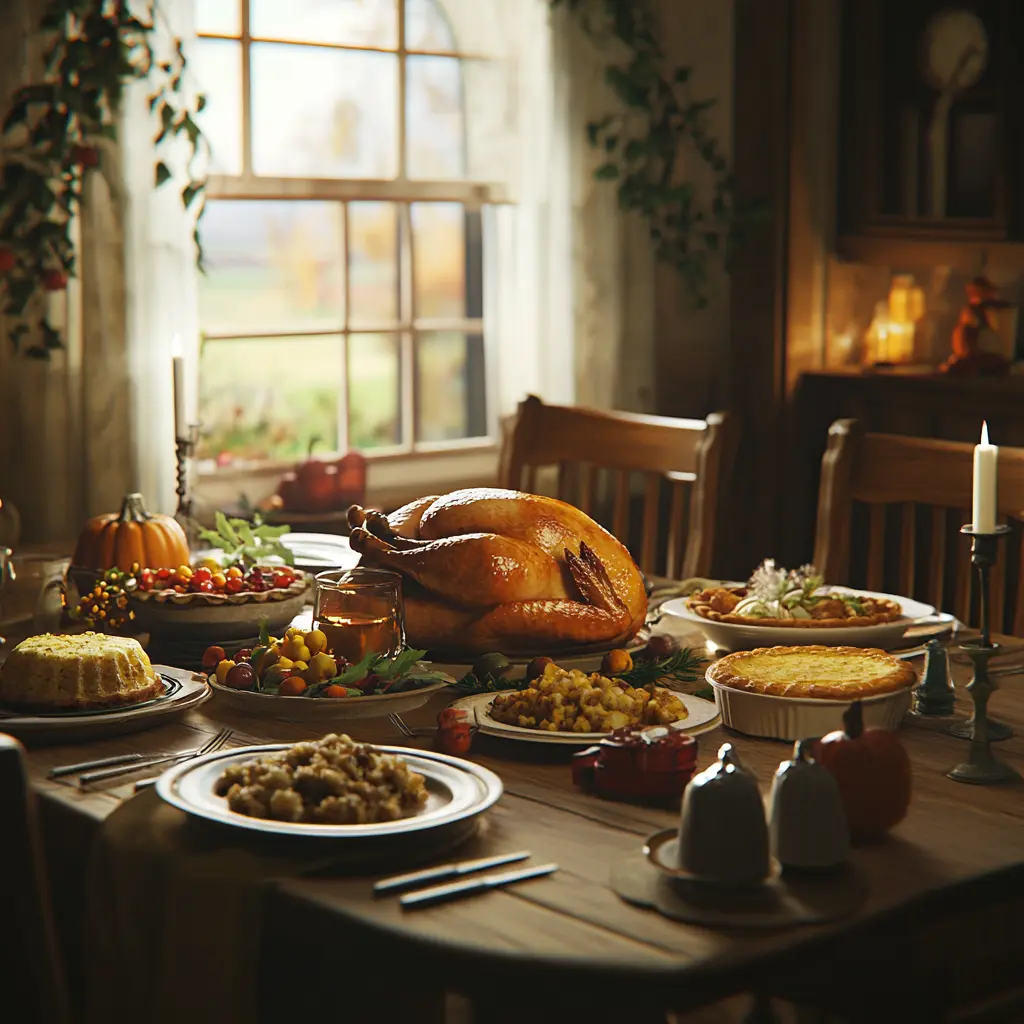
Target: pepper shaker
807, 821
935, 695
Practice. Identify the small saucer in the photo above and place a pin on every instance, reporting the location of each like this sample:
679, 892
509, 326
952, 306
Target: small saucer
662, 851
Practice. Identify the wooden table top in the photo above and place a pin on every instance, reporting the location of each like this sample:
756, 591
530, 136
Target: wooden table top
956, 837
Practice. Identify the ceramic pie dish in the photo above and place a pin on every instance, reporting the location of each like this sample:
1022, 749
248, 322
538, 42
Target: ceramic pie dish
166, 613
791, 693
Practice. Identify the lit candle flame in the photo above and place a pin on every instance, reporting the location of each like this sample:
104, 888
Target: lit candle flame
984, 432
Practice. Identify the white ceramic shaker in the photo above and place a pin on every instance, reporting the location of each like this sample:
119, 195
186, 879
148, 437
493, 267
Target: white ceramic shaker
723, 834
807, 821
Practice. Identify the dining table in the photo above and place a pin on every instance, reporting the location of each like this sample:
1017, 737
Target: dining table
941, 922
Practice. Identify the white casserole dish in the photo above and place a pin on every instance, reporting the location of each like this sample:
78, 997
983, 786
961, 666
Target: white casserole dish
798, 718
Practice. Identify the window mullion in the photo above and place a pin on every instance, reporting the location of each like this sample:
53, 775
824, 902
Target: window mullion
403, 174
246, 93
406, 311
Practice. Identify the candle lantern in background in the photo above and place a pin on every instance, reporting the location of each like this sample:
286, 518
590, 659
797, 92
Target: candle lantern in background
892, 335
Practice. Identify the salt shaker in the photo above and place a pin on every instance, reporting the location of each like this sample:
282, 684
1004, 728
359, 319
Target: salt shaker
807, 822
723, 834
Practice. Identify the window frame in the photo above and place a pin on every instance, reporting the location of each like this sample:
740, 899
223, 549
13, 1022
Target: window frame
474, 196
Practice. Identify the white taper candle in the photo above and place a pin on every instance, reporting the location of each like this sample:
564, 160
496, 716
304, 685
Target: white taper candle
986, 461
180, 417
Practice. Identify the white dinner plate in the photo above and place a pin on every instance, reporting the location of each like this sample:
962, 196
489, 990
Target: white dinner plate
732, 636
457, 791
324, 710
186, 693
703, 717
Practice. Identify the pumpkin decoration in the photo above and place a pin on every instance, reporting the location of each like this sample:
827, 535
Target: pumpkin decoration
873, 772
118, 540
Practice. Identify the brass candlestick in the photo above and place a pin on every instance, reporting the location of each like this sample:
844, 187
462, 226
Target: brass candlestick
981, 766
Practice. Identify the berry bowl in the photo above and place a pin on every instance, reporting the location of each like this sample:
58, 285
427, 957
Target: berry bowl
204, 604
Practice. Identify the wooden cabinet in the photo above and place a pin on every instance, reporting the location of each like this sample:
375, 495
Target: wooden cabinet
931, 139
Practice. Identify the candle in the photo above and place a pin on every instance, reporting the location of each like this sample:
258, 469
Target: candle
986, 459
180, 419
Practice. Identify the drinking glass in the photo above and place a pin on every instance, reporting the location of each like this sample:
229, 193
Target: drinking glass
6, 575
360, 612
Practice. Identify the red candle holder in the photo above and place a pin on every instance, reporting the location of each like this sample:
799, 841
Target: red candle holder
637, 763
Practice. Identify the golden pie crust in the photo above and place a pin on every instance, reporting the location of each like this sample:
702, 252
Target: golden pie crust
827, 673
713, 604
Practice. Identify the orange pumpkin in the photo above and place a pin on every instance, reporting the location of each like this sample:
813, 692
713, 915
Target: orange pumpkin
118, 539
873, 772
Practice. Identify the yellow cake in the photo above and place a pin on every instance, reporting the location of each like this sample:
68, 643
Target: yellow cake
83, 670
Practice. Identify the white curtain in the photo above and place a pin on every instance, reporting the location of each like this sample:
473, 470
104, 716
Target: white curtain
161, 284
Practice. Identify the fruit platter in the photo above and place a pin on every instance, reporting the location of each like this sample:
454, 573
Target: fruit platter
297, 678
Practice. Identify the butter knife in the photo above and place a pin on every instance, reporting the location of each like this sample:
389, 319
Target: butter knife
444, 872
103, 762
456, 890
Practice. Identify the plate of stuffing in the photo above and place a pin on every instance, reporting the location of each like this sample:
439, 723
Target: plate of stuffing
779, 607
574, 708
331, 788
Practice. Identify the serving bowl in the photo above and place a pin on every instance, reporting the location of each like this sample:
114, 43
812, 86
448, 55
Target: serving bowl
733, 636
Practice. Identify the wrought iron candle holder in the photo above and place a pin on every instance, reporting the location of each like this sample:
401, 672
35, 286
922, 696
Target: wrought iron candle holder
184, 449
981, 766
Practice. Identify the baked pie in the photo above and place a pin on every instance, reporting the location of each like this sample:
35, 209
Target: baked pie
827, 673
796, 599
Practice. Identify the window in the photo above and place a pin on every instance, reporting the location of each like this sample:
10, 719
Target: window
343, 234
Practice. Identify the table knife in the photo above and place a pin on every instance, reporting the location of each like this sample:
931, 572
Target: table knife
456, 890
103, 762
445, 872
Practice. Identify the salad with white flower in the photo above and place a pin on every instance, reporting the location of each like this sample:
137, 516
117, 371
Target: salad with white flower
774, 592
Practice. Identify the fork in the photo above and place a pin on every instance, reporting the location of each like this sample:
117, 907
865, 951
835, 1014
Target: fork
215, 743
213, 747
399, 723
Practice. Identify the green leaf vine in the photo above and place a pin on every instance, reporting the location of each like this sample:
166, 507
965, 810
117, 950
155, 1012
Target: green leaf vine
646, 144
52, 137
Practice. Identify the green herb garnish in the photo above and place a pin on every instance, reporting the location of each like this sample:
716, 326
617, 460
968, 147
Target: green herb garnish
249, 543
684, 667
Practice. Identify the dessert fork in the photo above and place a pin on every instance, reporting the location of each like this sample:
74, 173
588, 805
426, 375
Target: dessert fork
214, 743
399, 723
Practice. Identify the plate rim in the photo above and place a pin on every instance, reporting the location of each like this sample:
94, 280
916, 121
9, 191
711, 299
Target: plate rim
173, 686
491, 790
580, 738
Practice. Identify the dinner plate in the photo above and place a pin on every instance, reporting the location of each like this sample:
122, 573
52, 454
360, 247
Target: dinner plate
703, 717
733, 636
185, 692
325, 710
457, 790
172, 687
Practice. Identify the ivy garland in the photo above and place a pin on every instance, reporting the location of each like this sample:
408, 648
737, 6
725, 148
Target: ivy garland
645, 145
51, 137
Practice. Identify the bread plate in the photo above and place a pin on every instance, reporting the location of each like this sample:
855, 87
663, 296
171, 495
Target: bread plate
731, 636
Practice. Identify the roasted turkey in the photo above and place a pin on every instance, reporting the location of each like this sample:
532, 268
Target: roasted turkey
494, 570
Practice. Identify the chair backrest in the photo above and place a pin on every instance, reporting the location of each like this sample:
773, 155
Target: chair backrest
673, 456
917, 493
31, 976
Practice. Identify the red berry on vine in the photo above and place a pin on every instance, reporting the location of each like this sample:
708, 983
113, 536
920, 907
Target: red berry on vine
55, 280
7, 259
85, 156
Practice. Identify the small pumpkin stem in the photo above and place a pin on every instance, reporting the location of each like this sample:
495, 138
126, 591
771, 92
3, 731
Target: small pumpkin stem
313, 442
133, 509
853, 720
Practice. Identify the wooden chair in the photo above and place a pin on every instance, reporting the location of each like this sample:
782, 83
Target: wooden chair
917, 494
31, 977
673, 455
